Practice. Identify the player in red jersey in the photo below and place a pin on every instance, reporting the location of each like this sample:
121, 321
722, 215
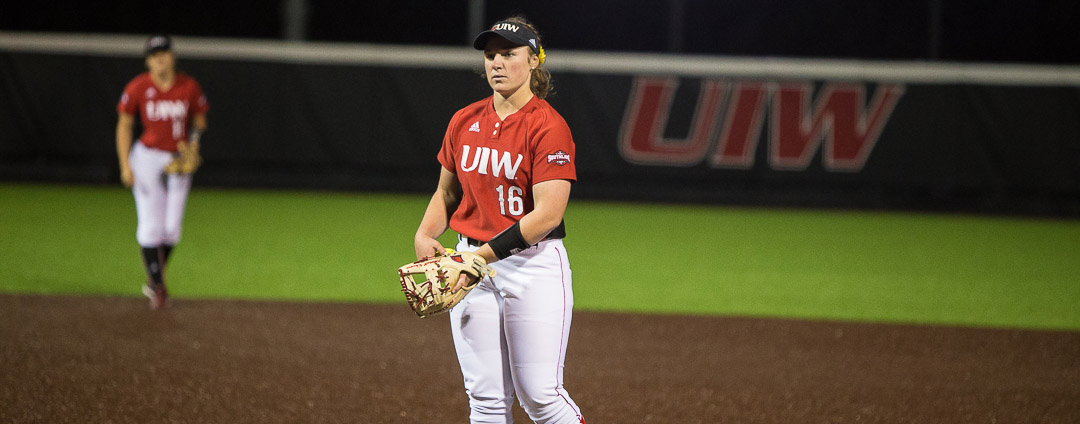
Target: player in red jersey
507, 167
168, 102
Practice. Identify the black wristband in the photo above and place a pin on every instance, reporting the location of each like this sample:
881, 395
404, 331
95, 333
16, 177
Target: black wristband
509, 242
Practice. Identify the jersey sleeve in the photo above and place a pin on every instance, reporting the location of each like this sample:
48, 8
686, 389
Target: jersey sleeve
129, 102
198, 99
447, 152
554, 153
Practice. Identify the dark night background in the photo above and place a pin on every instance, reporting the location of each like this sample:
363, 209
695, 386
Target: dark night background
950, 145
945, 30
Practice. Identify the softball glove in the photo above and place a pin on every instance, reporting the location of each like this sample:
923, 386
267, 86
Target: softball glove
427, 282
187, 159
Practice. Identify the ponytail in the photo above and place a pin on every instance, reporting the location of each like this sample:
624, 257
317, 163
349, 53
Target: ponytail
540, 83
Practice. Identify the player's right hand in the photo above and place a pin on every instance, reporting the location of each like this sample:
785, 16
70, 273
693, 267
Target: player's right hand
426, 246
127, 177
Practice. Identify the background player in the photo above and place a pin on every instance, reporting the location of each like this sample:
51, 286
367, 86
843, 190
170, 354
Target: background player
507, 170
167, 102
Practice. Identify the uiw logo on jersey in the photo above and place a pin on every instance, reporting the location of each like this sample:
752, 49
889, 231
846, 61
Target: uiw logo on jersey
166, 110
731, 115
482, 156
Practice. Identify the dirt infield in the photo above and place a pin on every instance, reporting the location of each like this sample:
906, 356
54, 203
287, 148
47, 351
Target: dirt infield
110, 360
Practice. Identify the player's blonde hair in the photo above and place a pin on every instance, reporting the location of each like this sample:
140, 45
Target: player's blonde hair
540, 81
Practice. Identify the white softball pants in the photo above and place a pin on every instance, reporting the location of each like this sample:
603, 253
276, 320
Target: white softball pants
510, 334
160, 198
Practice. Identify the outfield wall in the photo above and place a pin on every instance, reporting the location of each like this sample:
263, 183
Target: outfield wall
758, 131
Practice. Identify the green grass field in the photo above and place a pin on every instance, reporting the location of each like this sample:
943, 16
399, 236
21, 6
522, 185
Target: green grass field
846, 265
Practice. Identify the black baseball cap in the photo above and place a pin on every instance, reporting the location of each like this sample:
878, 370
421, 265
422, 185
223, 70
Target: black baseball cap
157, 43
514, 32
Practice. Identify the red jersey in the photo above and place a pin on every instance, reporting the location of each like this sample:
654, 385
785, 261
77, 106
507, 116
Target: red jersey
498, 162
165, 114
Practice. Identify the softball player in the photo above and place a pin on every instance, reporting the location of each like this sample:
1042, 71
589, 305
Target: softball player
507, 167
167, 102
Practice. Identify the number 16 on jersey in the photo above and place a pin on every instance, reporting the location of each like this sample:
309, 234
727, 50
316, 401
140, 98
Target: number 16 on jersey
510, 199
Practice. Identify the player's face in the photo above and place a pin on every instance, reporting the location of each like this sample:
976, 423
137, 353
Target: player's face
507, 66
161, 61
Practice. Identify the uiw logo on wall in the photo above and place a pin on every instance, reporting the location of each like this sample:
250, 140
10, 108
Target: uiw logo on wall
730, 116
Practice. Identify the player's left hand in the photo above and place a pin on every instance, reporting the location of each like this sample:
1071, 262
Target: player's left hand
187, 161
464, 280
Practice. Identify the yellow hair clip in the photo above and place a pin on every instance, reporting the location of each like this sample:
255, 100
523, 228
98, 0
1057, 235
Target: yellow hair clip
542, 56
